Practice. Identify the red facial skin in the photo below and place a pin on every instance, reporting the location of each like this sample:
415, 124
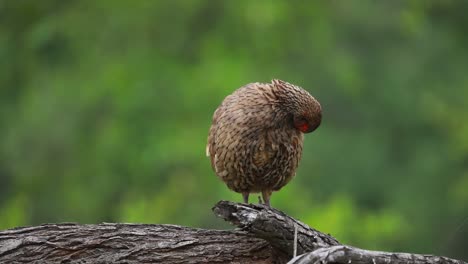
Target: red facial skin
307, 125
303, 127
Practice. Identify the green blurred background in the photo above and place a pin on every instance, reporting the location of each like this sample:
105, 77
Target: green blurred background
105, 108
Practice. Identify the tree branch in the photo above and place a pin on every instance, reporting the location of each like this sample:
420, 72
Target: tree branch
265, 236
131, 243
347, 254
274, 226
278, 228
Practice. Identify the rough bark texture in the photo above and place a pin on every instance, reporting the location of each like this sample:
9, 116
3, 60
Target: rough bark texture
266, 236
274, 226
278, 228
347, 254
131, 243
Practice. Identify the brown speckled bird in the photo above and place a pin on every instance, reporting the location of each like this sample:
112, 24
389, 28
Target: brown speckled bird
255, 140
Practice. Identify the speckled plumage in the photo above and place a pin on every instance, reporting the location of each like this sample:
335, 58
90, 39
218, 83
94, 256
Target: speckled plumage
255, 140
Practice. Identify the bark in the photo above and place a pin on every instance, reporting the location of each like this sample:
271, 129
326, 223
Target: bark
132, 243
265, 236
274, 226
347, 254
278, 228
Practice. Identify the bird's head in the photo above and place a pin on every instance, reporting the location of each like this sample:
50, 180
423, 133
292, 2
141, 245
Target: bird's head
305, 111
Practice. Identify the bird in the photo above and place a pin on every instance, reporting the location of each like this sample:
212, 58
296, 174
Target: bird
256, 137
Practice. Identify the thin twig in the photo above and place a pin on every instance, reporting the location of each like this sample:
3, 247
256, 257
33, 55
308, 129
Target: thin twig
295, 240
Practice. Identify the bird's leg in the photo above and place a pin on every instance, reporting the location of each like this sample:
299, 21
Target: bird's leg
245, 195
266, 194
260, 201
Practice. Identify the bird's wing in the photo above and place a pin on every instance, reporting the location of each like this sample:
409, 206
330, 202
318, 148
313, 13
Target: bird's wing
211, 137
264, 153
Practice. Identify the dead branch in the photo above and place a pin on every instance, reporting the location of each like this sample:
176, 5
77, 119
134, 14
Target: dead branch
265, 235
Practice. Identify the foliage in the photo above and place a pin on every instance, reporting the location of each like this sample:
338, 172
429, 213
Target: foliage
105, 107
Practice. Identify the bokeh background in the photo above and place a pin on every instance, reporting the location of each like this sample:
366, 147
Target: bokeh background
105, 108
